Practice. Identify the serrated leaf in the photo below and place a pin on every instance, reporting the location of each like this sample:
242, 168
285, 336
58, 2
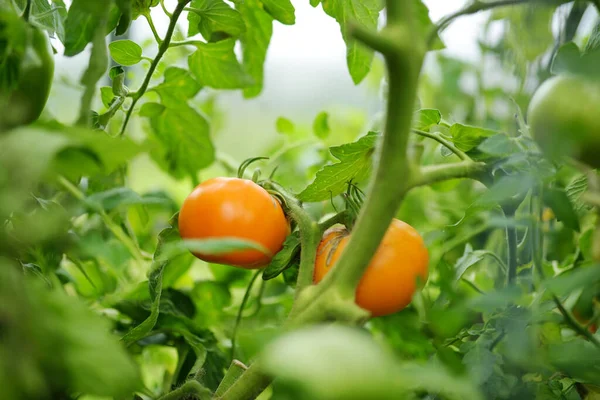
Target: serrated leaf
255, 42
125, 52
467, 137
365, 13
321, 125
480, 361
213, 19
575, 190
355, 164
184, 146
281, 10
560, 204
285, 257
593, 42
499, 145
215, 65
284, 125
425, 118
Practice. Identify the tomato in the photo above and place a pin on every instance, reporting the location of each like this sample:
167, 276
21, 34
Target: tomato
563, 116
390, 280
27, 69
234, 208
593, 328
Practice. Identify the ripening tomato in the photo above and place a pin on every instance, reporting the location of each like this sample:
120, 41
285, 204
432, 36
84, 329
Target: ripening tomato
234, 208
563, 116
390, 280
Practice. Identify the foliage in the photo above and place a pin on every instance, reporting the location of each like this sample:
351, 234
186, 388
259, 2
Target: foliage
101, 298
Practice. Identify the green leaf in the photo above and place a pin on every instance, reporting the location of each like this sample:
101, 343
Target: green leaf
569, 60
284, 125
507, 188
365, 13
593, 42
213, 19
215, 65
560, 204
321, 125
467, 137
281, 10
182, 139
255, 42
178, 87
425, 118
155, 282
125, 52
212, 246
566, 283
107, 96
285, 257
355, 164
126, 9
469, 258
81, 23
480, 361
423, 23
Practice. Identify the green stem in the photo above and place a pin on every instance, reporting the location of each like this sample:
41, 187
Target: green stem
190, 388
443, 142
511, 240
385, 194
162, 49
472, 285
94, 72
186, 43
339, 218
240, 313
443, 172
249, 385
475, 7
162, 4
110, 224
27, 11
152, 27
236, 369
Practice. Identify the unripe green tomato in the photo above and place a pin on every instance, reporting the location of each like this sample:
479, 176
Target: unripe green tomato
24, 101
564, 117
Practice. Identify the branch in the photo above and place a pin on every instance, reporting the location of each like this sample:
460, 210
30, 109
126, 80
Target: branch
511, 240
152, 27
238, 319
477, 6
162, 49
190, 388
443, 142
443, 172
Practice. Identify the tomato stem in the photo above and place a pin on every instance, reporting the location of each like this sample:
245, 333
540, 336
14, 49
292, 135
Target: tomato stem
162, 49
438, 138
148, 18
238, 318
511, 241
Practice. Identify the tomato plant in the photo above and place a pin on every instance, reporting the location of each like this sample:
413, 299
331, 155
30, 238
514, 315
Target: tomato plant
417, 216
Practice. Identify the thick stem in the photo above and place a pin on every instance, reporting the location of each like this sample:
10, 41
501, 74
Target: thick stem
236, 369
190, 388
385, 194
250, 384
443, 172
162, 49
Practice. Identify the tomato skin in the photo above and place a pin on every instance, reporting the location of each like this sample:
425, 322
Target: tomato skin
563, 117
26, 100
234, 208
390, 280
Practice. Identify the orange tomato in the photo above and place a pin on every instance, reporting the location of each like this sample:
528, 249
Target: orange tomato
234, 208
390, 280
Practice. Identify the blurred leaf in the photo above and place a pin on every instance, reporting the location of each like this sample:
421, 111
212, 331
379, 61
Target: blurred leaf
365, 13
126, 9
283, 259
125, 52
284, 125
310, 358
499, 145
143, 7
321, 125
564, 284
281, 10
107, 96
569, 60
578, 358
425, 118
122, 196
81, 23
355, 165
560, 204
507, 188
215, 65
255, 41
213, 18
